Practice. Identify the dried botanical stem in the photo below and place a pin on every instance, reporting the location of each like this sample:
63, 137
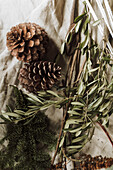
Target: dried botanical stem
64, 144
81, 69
73, 62
58, 141
80, 72
106, 132
68, 64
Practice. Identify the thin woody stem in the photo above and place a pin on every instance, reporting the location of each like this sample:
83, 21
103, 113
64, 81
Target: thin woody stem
58, 141
106, 132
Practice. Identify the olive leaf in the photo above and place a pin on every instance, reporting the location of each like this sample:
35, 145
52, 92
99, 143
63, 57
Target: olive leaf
77, 19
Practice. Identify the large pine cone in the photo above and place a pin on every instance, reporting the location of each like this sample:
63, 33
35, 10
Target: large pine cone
27, 41
39, 75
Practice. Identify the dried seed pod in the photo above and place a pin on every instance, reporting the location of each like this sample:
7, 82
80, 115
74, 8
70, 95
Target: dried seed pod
27, 41
97, 162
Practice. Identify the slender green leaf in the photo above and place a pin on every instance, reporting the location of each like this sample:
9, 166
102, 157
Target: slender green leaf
53, 93
34, 98
91, 104
9, 108
77, 103
30, 111
93, 70
12, 114
92, 133
74, 112
41, 93
106, 59
71, 130
69, 38
105, 121
92, 82
29, 120
81, 87
84, 43
79, 139
74, 147
78, 133
105, 112
71, 121
5, 117
72, 151
74, 121
104, 106
62, 48
66, 125
101, 87
33, 107
84, 126
45, 107
77, 19
19, 112
86, 76
76, 108
98, 102
97, 22
93, 89
61, 142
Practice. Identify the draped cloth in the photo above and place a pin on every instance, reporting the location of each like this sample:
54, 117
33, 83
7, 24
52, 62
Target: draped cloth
53, 15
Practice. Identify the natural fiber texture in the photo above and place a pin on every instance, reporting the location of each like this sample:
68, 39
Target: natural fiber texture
39, 75
27, 41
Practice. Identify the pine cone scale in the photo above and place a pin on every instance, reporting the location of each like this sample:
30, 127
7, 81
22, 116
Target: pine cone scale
20, 50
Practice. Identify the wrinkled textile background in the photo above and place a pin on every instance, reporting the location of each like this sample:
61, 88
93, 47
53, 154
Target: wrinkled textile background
55, 17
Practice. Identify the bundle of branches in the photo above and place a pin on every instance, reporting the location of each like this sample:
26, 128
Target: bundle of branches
88, 88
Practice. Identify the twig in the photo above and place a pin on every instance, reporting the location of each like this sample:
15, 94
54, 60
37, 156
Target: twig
80, 72
106, 132
73, 62
81, 69
58, 141
68, 64
64, 144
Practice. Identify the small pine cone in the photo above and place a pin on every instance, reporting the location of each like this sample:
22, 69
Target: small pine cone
39, 75
27, 41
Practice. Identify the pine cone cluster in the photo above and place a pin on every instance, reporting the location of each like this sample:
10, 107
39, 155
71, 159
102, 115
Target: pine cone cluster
27, 41
40, 75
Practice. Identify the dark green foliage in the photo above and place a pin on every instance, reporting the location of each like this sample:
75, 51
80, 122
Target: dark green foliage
28, 143
20, 100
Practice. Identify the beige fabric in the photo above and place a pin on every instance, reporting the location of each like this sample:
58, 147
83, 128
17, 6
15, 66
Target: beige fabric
53, 15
